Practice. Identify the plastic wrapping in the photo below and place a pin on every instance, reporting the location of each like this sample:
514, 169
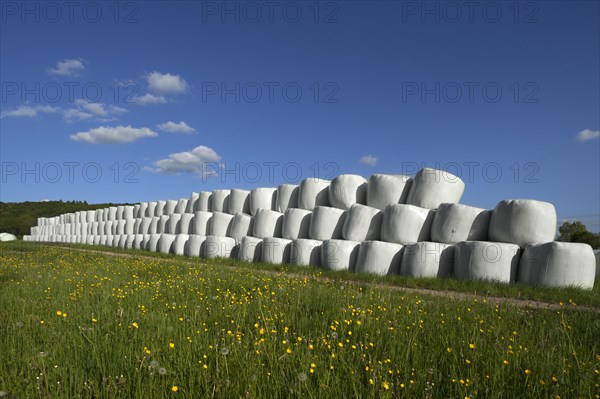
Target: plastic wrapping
220, 201
251, 249
287, 197
169, 208
219, 247
173, 225
165, 244
431, 187
428, 259
201, 223
347, 190
267, 223
312, 193
186, 223
159, 210
194, 245
263, 198
276, 250
241, 226
453, 223
239, 201
204, 203
327, 223
363, 223
339, 254
161, 226
151, 209
192, 203
406, 224
179, 244
220, 224
482, 260
378, 257
523, 222
181, 206
296, 223
306, 252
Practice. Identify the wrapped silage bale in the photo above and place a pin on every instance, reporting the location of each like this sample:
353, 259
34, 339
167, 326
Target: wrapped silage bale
406, 224
120, 212
97, 240
558, 264
201, 223
130, 226
242, 225
522, 222
220, 224
144, 225
296, 223
98, 215
313, 192
267, 223
276, 250
384, 190
153, 227
453, 223
339, 254
109, 227
347, 190
137, 241
250, 249
128, 212
181, 205
378, 257
431, 187
104, 239
427, 259
219, 200
116, 240
159, 209
169, 208
173, 225
327, 223
136, 210
239, 201
101, 228
287, 197
161, 226
363, 223
194, 245
95, 228
179, 244
165, 243
192, 203
145, 244
306, 252
219, 247
151, 209
120, 227
123, 241
204, 202
263, 198
482, 260
89, 240
186, 223
91, 216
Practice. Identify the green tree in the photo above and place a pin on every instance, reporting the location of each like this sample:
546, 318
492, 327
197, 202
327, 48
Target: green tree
578, 232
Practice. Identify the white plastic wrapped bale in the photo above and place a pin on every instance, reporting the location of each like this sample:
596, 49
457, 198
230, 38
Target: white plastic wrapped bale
94, 228
347, 190
169, 208
159, 208
99, 216
136, 211
137, 241
522, 222
161, 226
186, 223
145, 244
313, 192
220, 224
151, 209
143, 210
219, 200
179, 244
384, 190
97, 240
453, 223
239, 201
144, 225
126, 241
201, 223
363, 223
89, 240
306, 252
263, 198
378, 257
129, 226
250, 249
287, 197
558, 264
192, 203
431, 187
173, 225
165, 243
204, 202
181, 205
427, 259
276, 250
194, 245
219, 247
105, 239
339, 254
267, 223
241, 226
120, 227
5, 237
91, 216
128, 212
296, 223
116, 240
120, 212
108, 227
327, 223
483, 260
406, 224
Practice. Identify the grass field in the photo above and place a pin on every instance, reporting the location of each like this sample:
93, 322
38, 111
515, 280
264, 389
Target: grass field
83, 324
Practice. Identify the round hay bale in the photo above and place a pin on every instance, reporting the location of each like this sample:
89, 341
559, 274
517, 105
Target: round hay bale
267, 223
427, 259
173, 224
431, 187
186, 223
296, 223
219, 247
194, 245
161, 226
239, 201
220, 200
250, 249
327, 223
159, 210
201, 223
522, 222
312, 193
181, 205
263, 198
482, 260
306, 252
339, 254
241, 226
276, 250
165, 244
453, 223
347, 190
179, 244
169, 208
287, 197
406, 224
363, 223
192, 203
151, 209
220, 224
137, 241
384, 190
378, 257
204, 202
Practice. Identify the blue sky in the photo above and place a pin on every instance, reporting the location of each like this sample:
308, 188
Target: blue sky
138, 101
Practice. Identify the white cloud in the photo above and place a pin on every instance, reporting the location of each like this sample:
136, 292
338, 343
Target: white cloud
173, 127
67, 68
588, 134
85, 110
369, 160
149, 99
193, 161
118, 134
27, 111
165, 83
